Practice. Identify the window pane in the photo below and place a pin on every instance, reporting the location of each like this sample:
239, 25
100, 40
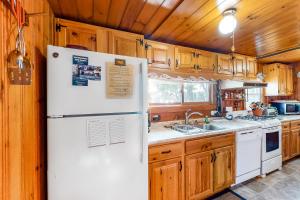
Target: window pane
196, 92
164, 92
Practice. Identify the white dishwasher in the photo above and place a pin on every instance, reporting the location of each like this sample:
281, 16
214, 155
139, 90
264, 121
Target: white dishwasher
248, 154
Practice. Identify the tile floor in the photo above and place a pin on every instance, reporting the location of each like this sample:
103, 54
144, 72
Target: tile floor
279, 185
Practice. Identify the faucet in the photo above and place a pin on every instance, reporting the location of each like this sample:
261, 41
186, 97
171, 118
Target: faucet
188, 115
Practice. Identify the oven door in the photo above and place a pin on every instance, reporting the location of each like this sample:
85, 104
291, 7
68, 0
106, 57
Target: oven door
271, 144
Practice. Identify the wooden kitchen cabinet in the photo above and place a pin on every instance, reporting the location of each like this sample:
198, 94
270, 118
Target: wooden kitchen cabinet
209, 165
289, 81
160, 55
199, 175
285, 146
224, 168
294, 137
165, 180
251, 67
73, 33
185, 59
206, 61
225, 64
279, 78
126, 44
239, 65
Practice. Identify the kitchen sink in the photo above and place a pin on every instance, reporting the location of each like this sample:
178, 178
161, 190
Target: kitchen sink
188, 129
194, 129
209, 127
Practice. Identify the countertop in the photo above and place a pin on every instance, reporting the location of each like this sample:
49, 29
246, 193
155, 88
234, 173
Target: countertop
160, 134
285, 118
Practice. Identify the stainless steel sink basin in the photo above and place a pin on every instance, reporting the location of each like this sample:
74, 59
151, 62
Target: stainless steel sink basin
195, 129
188, 129
209, 127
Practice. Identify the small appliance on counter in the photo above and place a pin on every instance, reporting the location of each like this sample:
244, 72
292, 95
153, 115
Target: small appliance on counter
287, 107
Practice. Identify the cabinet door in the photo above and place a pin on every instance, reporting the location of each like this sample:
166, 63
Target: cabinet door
225, 65
298, 143
282, 73
199, 175
251, 67
185, 59
159, 55
127, 44
239, 65
206, 61
87, 36
294, 137
289, 81
224, 168
285, 146
165, 180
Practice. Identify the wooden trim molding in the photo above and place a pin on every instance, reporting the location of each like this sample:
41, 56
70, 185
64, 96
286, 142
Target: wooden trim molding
177, 112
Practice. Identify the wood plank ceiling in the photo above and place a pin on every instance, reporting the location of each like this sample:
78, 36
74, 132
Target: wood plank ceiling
264, 26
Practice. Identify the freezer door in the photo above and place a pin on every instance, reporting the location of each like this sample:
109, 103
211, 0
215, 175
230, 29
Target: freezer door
63, 98
110, 172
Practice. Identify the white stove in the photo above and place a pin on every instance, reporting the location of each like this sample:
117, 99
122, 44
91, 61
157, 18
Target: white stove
271, 158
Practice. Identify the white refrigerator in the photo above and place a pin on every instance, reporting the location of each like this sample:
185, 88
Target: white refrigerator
97, 144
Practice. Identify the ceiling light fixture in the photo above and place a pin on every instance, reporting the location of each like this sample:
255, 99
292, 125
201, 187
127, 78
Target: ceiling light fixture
229, 22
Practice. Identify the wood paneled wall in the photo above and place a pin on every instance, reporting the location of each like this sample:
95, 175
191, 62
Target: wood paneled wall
22, 108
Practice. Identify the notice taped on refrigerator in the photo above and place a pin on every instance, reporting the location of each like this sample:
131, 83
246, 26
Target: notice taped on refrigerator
82, 72
119, 81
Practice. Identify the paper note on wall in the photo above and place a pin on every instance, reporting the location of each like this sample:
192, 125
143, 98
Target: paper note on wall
119, 81
96, 133
116, 130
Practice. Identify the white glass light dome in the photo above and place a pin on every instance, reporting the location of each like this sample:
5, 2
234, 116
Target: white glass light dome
228, 23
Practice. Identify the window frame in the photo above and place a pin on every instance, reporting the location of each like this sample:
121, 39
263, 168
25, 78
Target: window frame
182, 102
210, 101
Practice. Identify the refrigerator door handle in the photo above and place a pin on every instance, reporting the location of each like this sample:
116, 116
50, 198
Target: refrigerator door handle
142, 110
142, 124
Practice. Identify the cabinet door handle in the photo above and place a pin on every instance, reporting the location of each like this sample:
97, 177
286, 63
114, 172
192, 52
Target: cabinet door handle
176, 63
169, 62
212, 158
180, 166
229, 161
74, 34
166, 152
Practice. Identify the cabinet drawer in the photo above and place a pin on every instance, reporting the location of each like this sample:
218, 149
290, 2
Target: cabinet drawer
206, 144
295, 124
164, 152
286, 126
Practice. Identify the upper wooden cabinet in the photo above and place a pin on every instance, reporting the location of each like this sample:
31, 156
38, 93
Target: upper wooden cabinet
251, 67
239, 68
279, 78
159, 55
225, 64
185, 59
127, 44
206, 61
88, 36
289, 81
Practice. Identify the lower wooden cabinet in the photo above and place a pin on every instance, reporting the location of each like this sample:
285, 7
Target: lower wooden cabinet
224, 168
290, 139
199, 175
285, 146
165, 180
191, 169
